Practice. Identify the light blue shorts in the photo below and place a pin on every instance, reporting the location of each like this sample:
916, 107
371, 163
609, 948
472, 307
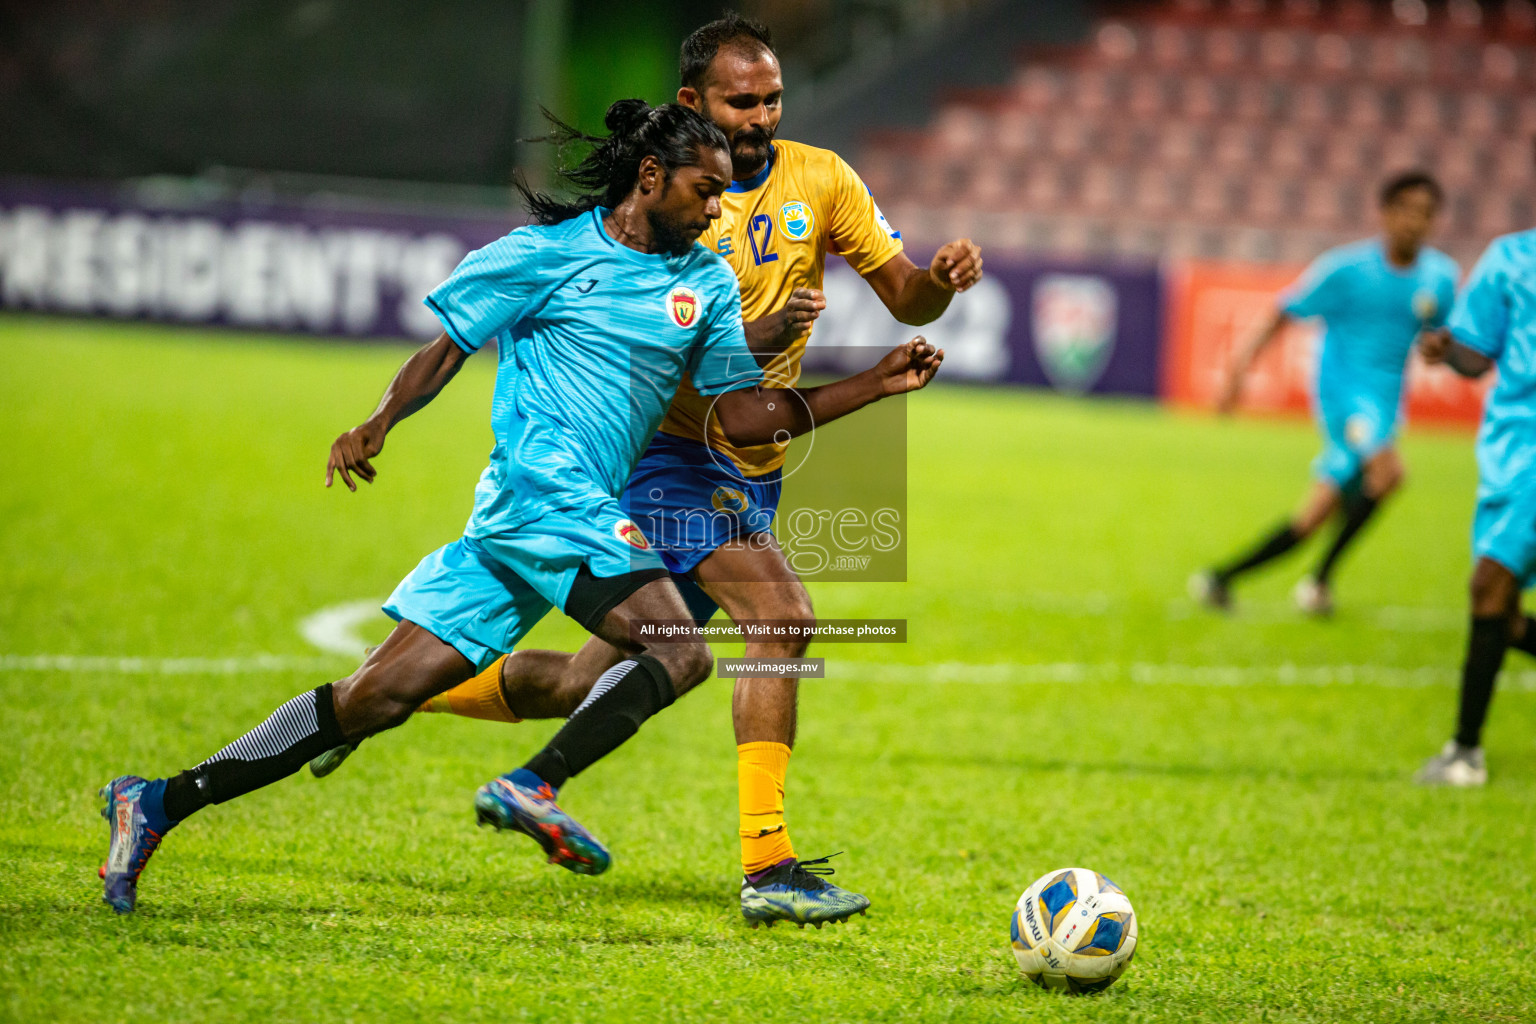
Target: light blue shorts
1504, 530
1355, 427
483, 594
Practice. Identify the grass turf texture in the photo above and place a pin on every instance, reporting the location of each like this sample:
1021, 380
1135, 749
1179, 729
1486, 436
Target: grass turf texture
162, 498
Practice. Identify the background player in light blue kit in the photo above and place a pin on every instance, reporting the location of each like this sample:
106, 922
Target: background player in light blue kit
1374, 296
1494, 324
598, 311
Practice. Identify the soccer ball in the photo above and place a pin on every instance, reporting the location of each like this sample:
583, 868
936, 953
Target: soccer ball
1074, 930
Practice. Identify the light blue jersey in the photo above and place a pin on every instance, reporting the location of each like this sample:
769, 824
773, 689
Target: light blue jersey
1495, 314
1372, 313
594, 339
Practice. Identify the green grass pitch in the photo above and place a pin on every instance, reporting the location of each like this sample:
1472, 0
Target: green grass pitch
1246, 780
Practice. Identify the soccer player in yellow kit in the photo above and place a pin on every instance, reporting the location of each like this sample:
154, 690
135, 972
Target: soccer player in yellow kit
707, 505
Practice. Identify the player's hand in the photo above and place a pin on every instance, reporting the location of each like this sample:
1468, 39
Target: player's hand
351, 451
909, 367
1435, 345
789, 324
956, 266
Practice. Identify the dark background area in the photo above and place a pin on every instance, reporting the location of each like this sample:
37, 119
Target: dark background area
436, 92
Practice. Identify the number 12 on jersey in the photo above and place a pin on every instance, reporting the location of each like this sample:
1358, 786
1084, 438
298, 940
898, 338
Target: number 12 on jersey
760, 254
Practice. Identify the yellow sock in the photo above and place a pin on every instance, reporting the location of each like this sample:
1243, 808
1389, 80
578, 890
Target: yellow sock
760, 771
480, 697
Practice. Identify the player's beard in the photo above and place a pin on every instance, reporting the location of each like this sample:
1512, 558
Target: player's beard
670, 236
749, 151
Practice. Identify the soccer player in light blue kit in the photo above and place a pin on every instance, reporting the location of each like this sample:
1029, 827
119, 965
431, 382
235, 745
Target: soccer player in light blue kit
1494, 324
1374, 297
597, 310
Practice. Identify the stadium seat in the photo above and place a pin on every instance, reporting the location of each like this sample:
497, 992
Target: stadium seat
1334, 56
1254, 128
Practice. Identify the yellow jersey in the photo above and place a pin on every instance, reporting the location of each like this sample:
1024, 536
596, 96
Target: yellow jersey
775, 231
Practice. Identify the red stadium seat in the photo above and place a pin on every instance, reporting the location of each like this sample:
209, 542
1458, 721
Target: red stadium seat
1249, 129
1514, 164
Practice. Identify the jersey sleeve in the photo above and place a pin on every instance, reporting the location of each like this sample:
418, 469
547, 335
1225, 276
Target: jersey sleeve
856, 228
1480, 318
1445, 294
721, 360
1315, 292
489, 290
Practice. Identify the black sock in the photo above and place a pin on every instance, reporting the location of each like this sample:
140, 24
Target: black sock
1357, 512
1527, 641
621, 700
1273, 546
1485, 655
301, 729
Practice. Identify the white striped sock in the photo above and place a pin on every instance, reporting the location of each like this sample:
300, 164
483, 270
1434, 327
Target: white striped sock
287, 726
605, 682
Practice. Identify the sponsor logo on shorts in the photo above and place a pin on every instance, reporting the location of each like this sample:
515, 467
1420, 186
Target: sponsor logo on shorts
683, 306
728, 499
630, 534
795, 219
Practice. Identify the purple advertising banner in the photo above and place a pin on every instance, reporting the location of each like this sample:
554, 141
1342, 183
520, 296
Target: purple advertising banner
1075, 327
132, 252
332, 269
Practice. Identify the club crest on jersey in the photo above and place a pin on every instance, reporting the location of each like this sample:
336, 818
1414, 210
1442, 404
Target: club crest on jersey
1425, 306
683, 306
795, 219
630, 534
728, 499
1074, 318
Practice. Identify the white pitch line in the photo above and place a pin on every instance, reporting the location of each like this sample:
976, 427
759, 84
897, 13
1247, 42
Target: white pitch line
334, 629
1058, 673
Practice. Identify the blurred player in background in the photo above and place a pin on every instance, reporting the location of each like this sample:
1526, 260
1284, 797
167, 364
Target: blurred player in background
1374, 297
1494, 325
598, 308
709, 504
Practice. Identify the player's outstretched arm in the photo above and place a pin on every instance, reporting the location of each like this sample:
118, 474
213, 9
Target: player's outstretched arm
918, 296
768, 415
1437, 346
416, 383
1263, 334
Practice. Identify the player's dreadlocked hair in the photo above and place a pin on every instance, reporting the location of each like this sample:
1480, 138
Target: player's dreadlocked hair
671, 133
704, 42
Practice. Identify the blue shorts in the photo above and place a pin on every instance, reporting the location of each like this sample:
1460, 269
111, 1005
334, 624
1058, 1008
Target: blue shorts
483, 594
1504, 530
690, 499
1355, 426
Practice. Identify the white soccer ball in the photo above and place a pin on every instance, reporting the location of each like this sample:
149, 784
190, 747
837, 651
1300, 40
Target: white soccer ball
1074, 930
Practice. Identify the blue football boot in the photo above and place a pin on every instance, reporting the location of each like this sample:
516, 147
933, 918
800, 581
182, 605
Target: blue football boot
796, 890
132, 842
508, 804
